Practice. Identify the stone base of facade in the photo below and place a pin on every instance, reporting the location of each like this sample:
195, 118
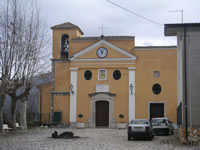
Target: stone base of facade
193, 136
73, 124
60, 126
92, 125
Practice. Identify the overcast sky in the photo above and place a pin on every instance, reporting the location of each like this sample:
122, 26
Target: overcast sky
89, 15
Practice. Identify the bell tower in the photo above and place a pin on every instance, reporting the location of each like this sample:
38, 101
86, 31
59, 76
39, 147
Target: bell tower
62, 36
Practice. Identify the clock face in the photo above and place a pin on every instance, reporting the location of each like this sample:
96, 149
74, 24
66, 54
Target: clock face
102, 52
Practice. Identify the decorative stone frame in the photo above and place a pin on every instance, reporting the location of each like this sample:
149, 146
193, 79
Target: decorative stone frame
102, 96
99, 72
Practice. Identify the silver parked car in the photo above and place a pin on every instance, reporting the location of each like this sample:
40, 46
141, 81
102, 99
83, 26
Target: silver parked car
140, 128
162, 125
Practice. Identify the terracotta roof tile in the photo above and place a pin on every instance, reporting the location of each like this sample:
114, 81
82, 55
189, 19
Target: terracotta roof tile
67, 25
155, 47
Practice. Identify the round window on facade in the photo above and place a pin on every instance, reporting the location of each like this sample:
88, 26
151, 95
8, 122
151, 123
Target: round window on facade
88, 75
156, 88
116, 74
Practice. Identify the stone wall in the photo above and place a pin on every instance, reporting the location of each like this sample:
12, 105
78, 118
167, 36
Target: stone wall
193, 137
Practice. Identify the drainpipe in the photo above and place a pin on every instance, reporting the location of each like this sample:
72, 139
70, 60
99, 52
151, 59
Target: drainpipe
185, 89
190, 89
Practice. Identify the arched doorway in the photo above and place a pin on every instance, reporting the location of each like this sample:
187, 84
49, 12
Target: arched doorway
102, 113
103, 101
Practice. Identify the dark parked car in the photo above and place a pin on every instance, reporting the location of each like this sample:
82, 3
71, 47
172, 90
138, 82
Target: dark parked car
140, 128
162, 125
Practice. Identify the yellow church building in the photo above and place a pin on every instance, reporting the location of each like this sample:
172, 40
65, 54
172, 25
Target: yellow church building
105, 76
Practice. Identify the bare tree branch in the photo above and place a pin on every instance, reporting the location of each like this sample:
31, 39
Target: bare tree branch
22, 36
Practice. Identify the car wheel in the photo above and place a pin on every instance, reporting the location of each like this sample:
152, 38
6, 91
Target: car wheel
150, 138
129, 137
166, 133
172, 132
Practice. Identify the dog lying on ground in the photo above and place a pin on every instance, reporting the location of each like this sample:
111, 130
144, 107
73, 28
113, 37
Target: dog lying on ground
64, 135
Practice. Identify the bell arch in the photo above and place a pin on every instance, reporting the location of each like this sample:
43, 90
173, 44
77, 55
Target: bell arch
64, 46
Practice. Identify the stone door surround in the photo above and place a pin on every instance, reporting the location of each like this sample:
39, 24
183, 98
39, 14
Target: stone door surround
102, 96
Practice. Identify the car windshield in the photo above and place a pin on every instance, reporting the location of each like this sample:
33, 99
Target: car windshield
158, 120
139, 122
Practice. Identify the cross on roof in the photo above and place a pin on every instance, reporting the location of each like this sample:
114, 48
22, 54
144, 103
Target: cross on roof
102, 28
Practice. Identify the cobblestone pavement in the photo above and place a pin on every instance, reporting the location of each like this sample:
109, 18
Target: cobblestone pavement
91, 139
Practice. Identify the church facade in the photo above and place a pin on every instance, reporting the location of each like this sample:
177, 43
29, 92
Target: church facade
103, 77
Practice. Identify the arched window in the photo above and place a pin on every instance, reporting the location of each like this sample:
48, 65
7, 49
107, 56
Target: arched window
65, 46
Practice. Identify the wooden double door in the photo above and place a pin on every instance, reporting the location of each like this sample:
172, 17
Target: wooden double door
102, 114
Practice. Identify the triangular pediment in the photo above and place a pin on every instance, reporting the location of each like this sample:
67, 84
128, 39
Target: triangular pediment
114, 53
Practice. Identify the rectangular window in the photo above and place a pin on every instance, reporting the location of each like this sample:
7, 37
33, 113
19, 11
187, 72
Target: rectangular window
102, 74
156, 74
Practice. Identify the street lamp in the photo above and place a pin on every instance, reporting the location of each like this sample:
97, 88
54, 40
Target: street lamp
131, 88
71, 89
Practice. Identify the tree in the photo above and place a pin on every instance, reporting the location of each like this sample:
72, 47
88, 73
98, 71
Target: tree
4, 83
12, 93
22, 32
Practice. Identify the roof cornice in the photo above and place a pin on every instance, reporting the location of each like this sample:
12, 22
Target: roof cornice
97, 38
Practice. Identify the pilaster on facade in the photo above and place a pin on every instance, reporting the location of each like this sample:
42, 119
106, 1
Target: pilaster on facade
73, 95
131, 93
52, 96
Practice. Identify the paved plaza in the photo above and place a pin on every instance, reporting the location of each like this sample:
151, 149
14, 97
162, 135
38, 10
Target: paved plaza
91, 139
